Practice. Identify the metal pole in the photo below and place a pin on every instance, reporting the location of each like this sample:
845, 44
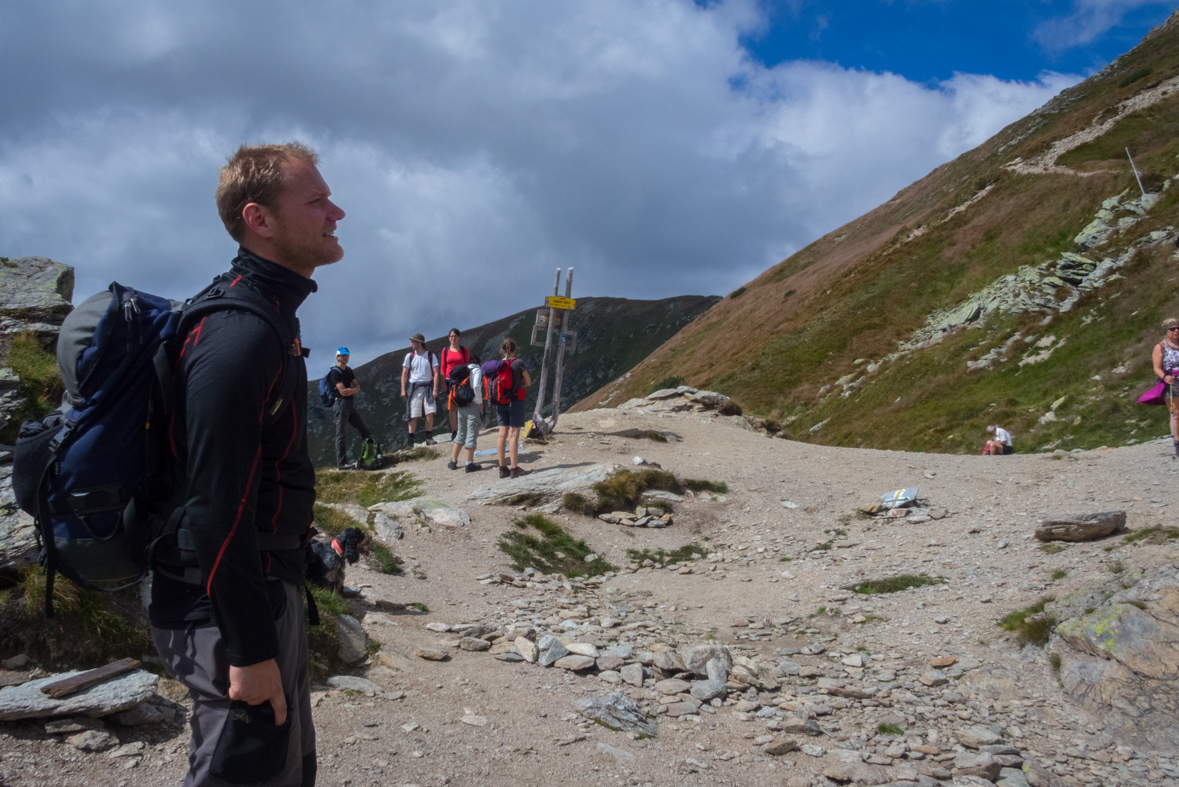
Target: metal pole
1136, 176
537, 418
561, 348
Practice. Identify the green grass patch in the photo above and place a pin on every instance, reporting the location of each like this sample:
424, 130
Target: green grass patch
889, 729
543, 545
1051, 548
40, 383
895, 584
623, 490
1059, 573
323, 641
1056, 663
702, 485
737, 293
387, 562
1141, 73
364, 489
1138, 604
667, 382
1031, 624
577, 504
1153, 535
1012, 621
686, 553
331, 521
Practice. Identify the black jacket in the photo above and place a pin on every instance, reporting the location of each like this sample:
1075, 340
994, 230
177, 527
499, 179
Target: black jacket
240, 432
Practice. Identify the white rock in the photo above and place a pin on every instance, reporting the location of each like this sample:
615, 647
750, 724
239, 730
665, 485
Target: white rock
27, 701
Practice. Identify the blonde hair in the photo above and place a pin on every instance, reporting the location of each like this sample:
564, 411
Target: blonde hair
509, 348
255, 174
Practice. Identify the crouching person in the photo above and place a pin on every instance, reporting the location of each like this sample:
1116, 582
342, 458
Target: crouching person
228, 619
466, 401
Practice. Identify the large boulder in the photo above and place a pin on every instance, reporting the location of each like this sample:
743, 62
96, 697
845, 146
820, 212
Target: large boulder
544, 488
1119, 657
35, 290
27, 701
18, 546
1081, 527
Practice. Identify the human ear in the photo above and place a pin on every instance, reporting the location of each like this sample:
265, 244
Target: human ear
258, 219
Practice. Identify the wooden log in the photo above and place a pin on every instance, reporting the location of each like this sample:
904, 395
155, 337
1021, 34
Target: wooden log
84, 680
1081, 527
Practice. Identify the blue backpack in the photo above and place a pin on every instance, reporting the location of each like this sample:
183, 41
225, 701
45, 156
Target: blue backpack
327, 391
96, 474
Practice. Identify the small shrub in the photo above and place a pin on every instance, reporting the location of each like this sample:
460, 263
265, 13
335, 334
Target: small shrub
665, 383
576, 503
889, 729
1059, 573
623, 490
1117, 567
659, 505
1055, 663
1033, 627
685, 553
701, 485
1153, 535
552, 551
730, 408
658, 437
387, 562
331, 521
895, 584
420, 606
1137, 75
1051, 548
737, 293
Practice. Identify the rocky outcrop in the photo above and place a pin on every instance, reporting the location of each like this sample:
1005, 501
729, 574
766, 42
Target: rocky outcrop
27, 701
544, 489
1118, 651
34, 290
1081, 527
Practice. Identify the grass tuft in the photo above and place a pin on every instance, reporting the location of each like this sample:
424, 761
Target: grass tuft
364, 489
1051, 548
1153, 535
550, 550
701, 485
895, 584
577, 504
37, 369
737, 293
1033, 626
1060, 573
387, 562
667, 382
889, 729
684, 554
623, 490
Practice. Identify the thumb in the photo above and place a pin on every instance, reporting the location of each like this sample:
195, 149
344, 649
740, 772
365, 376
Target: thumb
279, 703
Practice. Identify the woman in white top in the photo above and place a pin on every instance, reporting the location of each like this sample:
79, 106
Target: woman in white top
1166, 364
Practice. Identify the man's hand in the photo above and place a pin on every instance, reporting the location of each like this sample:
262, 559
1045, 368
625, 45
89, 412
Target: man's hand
259, 683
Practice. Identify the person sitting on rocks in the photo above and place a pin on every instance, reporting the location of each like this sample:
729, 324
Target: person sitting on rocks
1000, 442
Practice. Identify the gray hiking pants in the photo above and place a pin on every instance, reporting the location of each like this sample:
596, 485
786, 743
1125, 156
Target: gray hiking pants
197, 658
346, 414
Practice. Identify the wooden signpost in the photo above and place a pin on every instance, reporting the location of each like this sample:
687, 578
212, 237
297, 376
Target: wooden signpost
554, 317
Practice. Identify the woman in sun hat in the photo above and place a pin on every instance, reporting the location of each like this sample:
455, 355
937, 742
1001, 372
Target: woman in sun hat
1166, 366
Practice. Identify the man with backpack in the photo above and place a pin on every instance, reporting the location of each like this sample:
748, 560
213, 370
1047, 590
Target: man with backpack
231, 627
343, 386
466, 402
419, 376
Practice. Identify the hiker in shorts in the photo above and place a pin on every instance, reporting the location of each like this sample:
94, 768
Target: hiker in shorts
1000, 442
229, 623
466, 380
452, 356
1165, 359
419, 386
509, 415
346, 386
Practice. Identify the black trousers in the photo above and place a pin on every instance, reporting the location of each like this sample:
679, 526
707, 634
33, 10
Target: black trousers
346, 414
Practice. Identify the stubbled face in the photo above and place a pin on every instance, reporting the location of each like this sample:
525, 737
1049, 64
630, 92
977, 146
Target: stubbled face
418, 347
342, 361
305, 220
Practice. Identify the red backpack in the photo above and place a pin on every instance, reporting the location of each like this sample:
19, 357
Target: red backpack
501, 387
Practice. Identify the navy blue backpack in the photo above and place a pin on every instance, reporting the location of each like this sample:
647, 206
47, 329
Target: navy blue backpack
327, 391
95, 474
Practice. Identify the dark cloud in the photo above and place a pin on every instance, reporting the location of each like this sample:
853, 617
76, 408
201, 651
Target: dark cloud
475, 146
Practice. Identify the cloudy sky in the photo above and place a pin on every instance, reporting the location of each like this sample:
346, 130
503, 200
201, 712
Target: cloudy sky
662, 147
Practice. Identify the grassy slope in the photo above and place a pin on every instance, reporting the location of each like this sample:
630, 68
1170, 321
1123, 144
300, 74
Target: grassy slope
855, 293
614, 334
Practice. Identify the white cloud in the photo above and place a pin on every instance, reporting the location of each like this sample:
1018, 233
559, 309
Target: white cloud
1088, 21
474, 146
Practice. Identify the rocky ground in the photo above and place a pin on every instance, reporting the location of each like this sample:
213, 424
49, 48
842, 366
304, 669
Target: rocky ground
811, 683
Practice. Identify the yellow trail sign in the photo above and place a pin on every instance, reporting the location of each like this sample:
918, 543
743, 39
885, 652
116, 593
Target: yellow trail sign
557, 302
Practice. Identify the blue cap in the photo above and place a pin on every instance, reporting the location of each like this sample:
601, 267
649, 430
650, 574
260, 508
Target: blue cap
342, 351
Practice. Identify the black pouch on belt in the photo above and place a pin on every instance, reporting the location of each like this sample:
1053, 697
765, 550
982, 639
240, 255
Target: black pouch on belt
252, 748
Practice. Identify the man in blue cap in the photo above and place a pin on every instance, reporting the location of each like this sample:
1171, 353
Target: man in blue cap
346, 386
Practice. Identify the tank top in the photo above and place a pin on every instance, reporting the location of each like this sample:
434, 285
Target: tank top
1170, 357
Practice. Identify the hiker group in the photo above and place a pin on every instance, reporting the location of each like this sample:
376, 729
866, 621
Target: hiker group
463, 383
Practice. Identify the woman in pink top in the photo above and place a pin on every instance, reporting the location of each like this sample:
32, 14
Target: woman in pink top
452, 356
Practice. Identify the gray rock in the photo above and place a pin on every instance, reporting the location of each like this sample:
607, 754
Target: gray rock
663, 393
527, 649
36, 290
1012, 777
18, 541
70, 726
16, 662
27, 701
432, 654
677, 709
474, 644
934, 677
696, 658
353, 683
574, 663
812, 750
610, 663
142, 714
668, 662
717, 670
1081, 527
93, 740
780, 746
550, 649
513, 658
672, 686
353, 640
618, 712
857, 773
547, 486
424, 511
133, 749
969, 780
632, 674
792, 725
705, 690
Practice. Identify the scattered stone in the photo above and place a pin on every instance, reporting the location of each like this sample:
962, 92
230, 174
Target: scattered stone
574, 663
142, 714
812, 750
793, 725
977, 735
474, 644
1081, 527
474, 721
705, 690
353, 640
527, 649
432, 654
93, 740
781, 746
441, 628
857, 773
934, 678
618, 712
943, 661
583, 649
550, 649
16, 662
125, 691
76, 724
677, 709
696, 658
632, 674
610, 663
672, 686
133, 749
354, 683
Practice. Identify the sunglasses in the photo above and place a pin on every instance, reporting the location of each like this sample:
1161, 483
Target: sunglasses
1173, 328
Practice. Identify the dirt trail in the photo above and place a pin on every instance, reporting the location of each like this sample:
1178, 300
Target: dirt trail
519, 725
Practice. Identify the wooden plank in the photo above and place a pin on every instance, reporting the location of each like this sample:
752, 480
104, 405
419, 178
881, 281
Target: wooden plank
85, 680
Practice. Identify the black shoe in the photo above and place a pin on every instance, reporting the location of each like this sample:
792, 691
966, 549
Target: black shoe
346, 466
472, 467
504, 471
451, 465
518, 471
430, 441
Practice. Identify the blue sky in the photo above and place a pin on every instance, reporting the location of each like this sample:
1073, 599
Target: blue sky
661, 147
932, 40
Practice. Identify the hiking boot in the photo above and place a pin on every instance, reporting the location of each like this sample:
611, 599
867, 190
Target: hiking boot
346, 466
504, 472
518, 471
452, 465
472, 467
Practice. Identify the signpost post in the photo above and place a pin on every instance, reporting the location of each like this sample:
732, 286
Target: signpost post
555, 316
